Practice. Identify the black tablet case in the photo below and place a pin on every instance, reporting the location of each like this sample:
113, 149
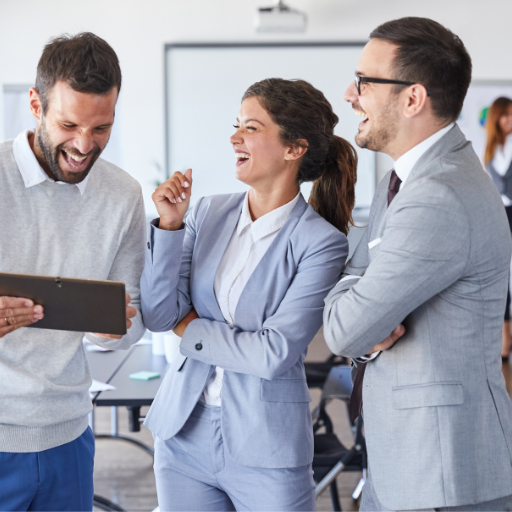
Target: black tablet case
71, 304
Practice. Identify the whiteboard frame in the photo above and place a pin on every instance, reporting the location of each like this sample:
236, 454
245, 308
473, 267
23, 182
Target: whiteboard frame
168, 47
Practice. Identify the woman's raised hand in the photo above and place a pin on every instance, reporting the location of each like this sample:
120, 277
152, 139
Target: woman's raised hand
172, 199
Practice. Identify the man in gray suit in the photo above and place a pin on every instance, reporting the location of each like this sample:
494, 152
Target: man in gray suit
434, 261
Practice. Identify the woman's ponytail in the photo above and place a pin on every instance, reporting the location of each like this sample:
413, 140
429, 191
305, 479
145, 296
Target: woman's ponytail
333, 194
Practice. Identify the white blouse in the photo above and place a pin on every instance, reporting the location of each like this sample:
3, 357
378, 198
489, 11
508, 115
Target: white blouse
501, 162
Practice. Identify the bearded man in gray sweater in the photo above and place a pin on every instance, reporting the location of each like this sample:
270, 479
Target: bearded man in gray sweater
65, 212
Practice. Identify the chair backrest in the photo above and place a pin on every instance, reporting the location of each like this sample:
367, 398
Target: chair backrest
338, 384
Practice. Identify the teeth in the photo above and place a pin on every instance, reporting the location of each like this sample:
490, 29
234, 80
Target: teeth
359, 113
242, 155
76, 158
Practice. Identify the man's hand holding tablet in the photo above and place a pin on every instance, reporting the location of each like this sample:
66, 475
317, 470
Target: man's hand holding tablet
16, 312
131, 312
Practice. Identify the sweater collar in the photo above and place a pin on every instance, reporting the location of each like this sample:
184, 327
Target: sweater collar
31, 172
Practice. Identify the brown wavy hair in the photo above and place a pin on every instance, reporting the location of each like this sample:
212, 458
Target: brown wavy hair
495, 135
302, 112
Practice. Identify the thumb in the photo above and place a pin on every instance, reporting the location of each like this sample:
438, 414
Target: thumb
188, 175
398, 332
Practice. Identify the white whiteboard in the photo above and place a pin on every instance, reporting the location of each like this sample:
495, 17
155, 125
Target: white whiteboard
480, 96
204, 87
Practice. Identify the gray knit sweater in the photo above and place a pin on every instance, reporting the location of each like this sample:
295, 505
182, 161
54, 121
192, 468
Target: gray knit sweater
51, 229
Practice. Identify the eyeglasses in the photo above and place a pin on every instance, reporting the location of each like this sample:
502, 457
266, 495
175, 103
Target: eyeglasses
367, 79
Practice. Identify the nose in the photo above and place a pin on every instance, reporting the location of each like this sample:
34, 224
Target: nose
236, 138
84, 142
351, 93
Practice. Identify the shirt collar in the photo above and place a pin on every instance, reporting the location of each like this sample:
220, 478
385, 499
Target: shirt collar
404, 165
267, 224
31, 172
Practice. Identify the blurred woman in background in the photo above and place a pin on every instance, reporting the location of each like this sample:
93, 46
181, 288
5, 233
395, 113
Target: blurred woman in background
498, 161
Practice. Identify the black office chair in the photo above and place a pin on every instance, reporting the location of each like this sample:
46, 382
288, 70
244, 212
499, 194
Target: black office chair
331, 457
316, 373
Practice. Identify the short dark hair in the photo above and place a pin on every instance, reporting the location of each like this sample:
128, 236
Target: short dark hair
86, 62
433, 56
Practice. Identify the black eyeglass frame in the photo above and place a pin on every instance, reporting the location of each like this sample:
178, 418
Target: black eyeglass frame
367, 79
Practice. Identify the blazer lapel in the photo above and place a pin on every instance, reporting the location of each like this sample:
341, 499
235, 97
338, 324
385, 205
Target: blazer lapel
250, 311
220, 231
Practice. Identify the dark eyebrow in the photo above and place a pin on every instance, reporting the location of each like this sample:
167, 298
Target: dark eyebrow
360, 73
250, 120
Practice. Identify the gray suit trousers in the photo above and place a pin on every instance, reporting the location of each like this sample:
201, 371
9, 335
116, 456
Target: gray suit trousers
194, 472
370, 503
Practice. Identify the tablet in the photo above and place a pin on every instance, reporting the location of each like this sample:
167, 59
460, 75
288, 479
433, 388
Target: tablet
82, 305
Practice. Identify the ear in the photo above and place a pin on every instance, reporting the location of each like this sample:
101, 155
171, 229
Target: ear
296, 152
415, 100
36, 107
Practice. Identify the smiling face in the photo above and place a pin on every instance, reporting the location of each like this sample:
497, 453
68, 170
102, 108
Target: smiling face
378, 103
261, 157
73, 131
505, 121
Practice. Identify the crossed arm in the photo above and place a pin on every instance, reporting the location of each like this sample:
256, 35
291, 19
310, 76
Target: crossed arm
424, 249
266, 352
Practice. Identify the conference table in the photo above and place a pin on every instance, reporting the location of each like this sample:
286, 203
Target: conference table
115, 368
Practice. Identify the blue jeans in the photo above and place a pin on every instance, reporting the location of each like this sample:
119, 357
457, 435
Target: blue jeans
55, 479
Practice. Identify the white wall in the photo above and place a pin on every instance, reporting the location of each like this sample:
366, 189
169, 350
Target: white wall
138, 29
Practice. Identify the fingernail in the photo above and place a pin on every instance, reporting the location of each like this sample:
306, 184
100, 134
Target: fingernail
179, 199
183, 195
28, 303
38, 316
38, 309
174, 201
185, 184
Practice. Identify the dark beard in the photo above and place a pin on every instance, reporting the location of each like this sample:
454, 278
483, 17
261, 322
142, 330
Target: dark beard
379, 138
51, 156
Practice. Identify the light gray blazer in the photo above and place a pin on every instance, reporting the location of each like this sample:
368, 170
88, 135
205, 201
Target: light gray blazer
438, 419
265, 399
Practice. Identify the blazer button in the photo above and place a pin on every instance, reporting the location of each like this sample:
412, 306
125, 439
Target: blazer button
149, 246
199, 346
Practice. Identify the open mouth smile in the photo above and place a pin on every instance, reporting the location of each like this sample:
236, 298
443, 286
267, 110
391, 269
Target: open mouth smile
75, 162
242, 158
361, 113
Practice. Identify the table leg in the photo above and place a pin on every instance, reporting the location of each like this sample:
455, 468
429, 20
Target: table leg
134, 426
113, 420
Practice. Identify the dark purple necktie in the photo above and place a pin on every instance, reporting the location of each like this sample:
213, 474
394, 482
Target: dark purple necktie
356, 399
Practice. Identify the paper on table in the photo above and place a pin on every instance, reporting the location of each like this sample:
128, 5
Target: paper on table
97, 386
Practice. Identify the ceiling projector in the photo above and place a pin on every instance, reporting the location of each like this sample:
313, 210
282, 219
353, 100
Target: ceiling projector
280, 18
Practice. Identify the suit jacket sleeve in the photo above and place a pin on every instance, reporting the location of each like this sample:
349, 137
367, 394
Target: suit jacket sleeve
276, 347
424, 249
165, 283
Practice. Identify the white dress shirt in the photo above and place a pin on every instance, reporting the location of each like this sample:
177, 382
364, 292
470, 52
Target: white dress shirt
403, 167
249, 243
31, 172
501, 163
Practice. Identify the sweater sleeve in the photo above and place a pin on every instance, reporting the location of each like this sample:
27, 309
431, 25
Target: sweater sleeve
127, 267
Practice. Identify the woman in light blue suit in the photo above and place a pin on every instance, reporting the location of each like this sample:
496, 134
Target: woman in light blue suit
243, 283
